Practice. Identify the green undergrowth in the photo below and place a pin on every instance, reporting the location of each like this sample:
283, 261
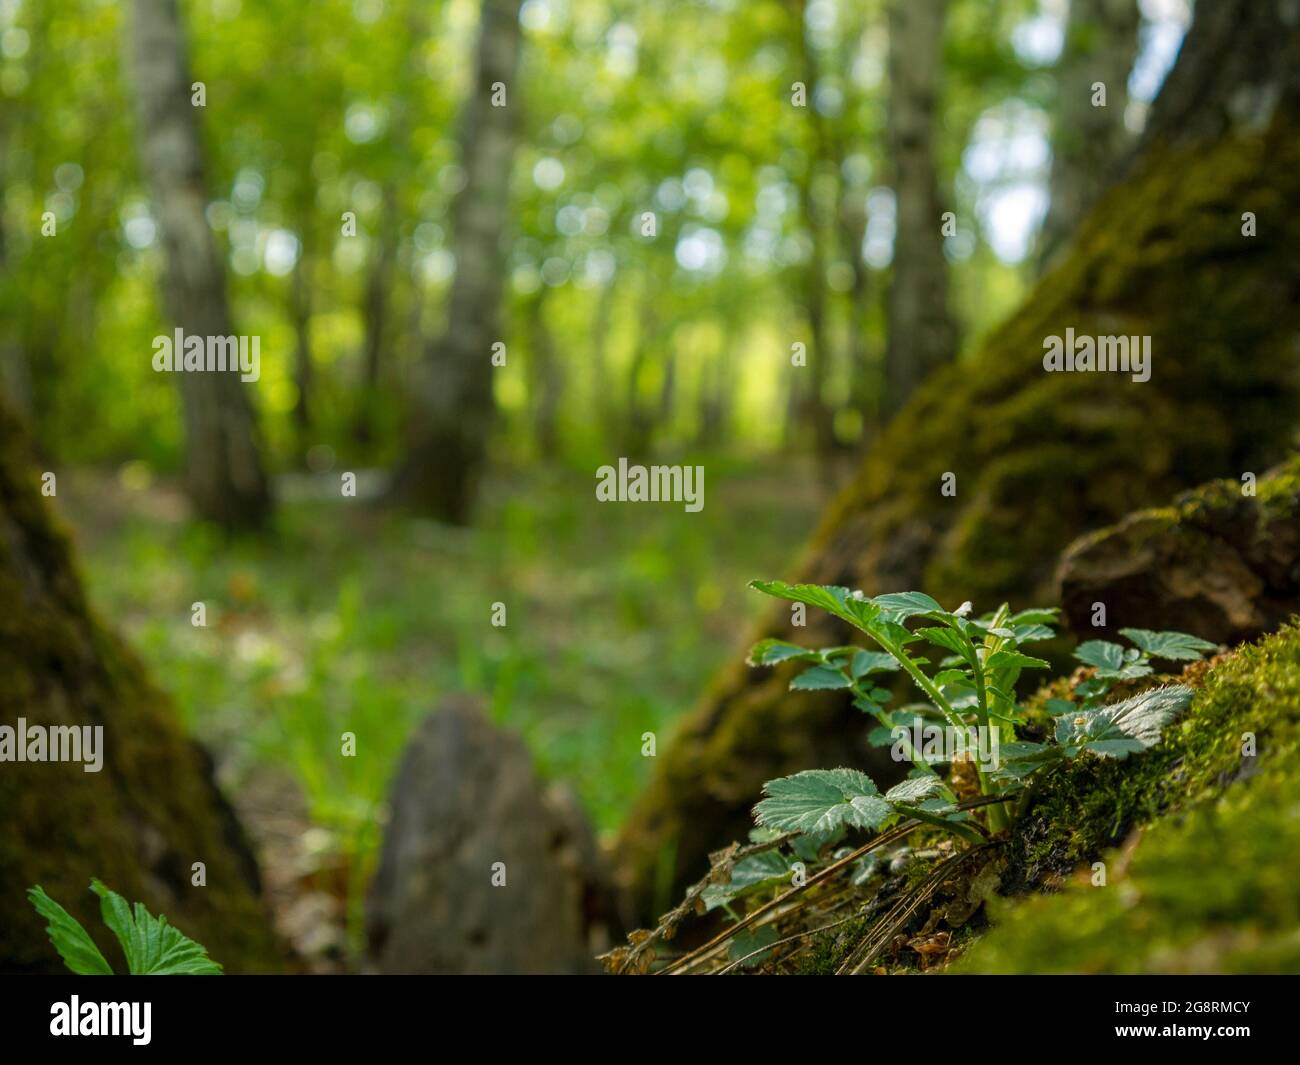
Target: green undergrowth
1209, 885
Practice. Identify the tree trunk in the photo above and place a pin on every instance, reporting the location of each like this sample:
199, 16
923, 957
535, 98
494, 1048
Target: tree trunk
922, 335
150, 812
1041, 457
453, 403
546, 378
1088, 141
224, 474
375, 315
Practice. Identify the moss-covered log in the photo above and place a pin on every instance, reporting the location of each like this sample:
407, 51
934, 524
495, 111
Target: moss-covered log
1039, 457
1228, 771
149, 813
1222, 562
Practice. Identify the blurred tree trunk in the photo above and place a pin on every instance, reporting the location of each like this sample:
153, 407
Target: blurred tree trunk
922, 335
1040, 458
452, 402
300, 311
1088, 141
150, 812
224, 473
374, 315
546, 377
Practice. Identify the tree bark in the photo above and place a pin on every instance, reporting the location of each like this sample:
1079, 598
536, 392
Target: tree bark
150, 812
1088, 141
452, 402
224, 473
1040, 457
922, 334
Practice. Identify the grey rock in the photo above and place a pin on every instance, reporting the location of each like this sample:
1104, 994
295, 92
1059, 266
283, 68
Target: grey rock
466, 798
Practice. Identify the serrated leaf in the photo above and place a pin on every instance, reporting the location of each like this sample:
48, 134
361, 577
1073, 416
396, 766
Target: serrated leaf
1014, 660
152, 946
914, 790
819, 678
948, 639
69, 937
1100, 653
770, 652
1171, 646
820, 800
1114, 730
747, 873
1111, 660
867, 662
902, 605
950, 676
833, 598
1035, 616
1032, 633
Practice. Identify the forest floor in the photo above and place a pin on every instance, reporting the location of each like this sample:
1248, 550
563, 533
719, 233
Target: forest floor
356, 619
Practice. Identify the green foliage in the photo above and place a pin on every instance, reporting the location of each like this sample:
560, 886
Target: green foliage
73, 942
822, 800
974, 685
152, 947
1214, 864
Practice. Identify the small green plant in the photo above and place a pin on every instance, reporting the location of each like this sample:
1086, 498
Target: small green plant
152, 946
970, 688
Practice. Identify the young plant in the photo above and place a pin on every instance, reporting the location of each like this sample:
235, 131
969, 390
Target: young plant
152, 946
970, 691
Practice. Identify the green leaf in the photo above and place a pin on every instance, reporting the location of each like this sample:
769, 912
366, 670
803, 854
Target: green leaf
1057, 707
152, 946
914, 790
820, 800
770, 652
1100, 653
1126, 727
903, 605
1035, 616
70, 939
747, 873
1111, 660
1032, 633
819, 678
951, 676
948, 639
1172, 646
867, 662
831, 598
1014, 660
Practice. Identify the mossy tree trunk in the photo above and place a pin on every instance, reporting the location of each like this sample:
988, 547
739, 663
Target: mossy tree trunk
1041, 457
151, 811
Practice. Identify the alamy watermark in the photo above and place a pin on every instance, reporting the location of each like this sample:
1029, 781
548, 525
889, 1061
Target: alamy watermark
199, 354
53, 743
654, 484
1083, 354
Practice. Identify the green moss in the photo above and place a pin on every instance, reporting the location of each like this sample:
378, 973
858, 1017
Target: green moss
1210, 885
151, 812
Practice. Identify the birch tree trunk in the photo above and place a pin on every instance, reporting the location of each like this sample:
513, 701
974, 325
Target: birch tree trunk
922, 334
452, 404
1088, 140
223, 463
